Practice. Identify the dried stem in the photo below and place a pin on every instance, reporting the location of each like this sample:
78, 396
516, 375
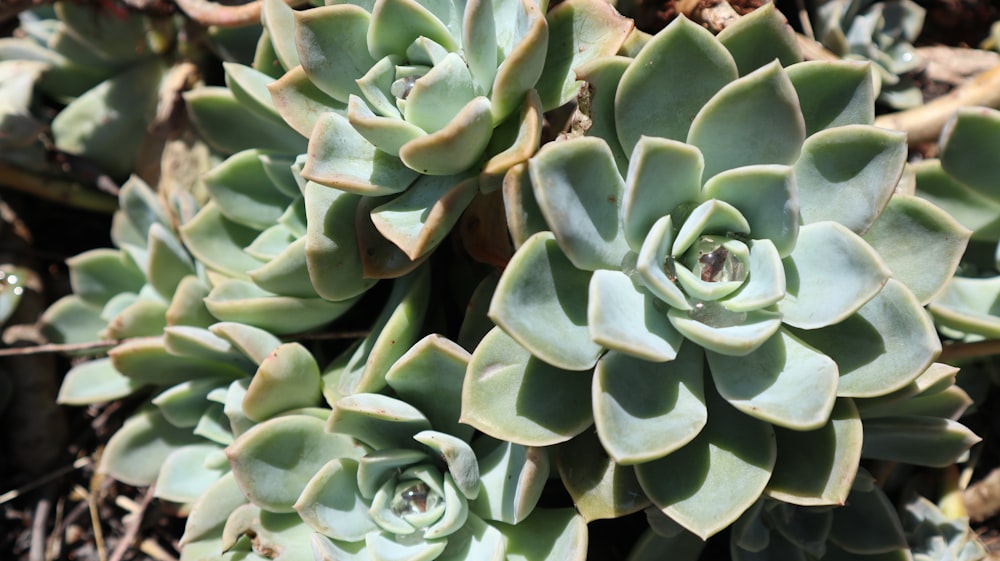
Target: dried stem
59, 348
979, 349
66, 192
923, 124
13, 494
132, 532
208, 13
42, 510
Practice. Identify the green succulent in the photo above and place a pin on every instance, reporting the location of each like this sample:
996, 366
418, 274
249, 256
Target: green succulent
880, 31
417, 106
105, 66
714, 284
420, 485
933, 536
963, 182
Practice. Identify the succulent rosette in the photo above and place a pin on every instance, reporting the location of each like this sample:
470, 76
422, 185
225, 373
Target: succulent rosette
724, 253
422, 487
880, 31
418, 105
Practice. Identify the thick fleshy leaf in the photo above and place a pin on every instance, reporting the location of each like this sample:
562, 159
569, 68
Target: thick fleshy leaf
784, 382
513, 478
579, 190
517, 139
682, 547
187, 307
847, 174
760, 37
541, 301
770, 129
547, 535
626, 319
766, 196
867, 523
379, 421
332, 505
168, 261
706, 485
479, 38
514, 396
766, 284
107, 124
457, 456
147, 361
923, 441
286, 273
282, 534
97, 275
963, 153
646, 410
430, 376
184, 404
95, 381
219, 242
972, 209
279, 20
136, 452
457, 146
725, 332
884, 347
831, 273
388, 134
243, 302
970, 305
331, 243
476, 539
524, 218
380, 258
418, 219
299, 102
188, 472
580, 31
437, 96
332, 47
287, 379
250, 88
363, 367
398, 23
663, 175
243, 193
834, 93
600, 488
909, 234
72, 320
256, 344
338, 156
209, 512
682, 67
649, 265
383, 546
817, 467
286, 452
227, 126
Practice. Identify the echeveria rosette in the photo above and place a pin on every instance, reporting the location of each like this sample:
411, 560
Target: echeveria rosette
417, 106
423, 488
880, 31
723, 267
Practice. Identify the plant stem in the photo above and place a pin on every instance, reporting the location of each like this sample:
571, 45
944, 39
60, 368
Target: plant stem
58, 190
208, 13
957, 351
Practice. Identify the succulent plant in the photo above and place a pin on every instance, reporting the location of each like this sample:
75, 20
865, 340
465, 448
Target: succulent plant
881, 31
107, 68
712, 285
963, 182
933, 536
417, 485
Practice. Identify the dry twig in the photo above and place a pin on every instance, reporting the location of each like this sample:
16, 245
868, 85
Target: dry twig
208, 13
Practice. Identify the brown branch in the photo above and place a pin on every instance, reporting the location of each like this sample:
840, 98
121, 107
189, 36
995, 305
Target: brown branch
58, 348
979, 349
15, 493
132, 532
209, 13
923, 124
58, 190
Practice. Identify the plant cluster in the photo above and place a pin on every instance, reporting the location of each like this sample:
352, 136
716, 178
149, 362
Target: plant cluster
678, 274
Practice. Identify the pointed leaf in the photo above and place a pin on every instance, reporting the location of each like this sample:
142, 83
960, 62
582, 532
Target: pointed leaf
770, 129
760, 37
600, 488
135, 453
332, 505
457, 146
766, 196
834, 93
332, 47
626, 319
418, 219
95, 381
